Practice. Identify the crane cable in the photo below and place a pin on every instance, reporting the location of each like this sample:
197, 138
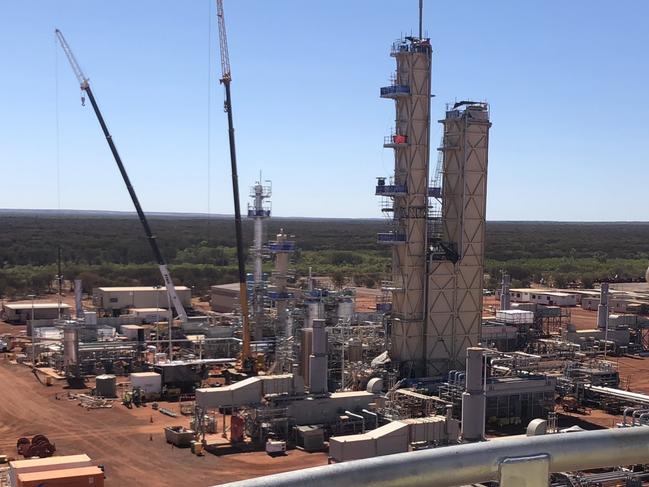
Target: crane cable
209, 116
59, 277
57, 125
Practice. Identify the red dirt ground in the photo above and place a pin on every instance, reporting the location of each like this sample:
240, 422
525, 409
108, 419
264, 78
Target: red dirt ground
119, 438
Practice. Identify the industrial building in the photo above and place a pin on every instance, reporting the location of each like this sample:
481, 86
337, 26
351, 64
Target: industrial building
224, 298
548, 297
115, 300
20, 313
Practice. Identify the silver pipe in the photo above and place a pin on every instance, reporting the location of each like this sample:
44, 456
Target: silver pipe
637, 412
374, 415
472, 463
357, 416
642, 417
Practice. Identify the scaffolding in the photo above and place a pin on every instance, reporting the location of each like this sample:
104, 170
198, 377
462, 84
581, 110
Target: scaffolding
351, 347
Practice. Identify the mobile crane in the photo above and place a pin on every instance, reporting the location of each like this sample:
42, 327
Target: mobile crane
162, 264
247, 360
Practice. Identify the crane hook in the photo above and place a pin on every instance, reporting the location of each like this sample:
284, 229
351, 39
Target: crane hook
83, 99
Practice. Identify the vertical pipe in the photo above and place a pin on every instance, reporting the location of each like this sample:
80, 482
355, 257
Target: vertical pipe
78, 298
421, 18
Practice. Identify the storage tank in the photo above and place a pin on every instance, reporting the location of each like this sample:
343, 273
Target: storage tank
90, 317
354, 350
345, 309
70, 345
106, 385
315, 311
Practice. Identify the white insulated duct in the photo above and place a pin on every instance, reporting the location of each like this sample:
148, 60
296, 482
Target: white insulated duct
505, 298
602, 308
78, 303
473, 399
318, 359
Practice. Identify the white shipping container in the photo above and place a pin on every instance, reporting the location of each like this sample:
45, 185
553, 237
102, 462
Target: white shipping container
515, 316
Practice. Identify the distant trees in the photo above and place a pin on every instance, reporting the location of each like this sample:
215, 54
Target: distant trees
113, 251
338, 279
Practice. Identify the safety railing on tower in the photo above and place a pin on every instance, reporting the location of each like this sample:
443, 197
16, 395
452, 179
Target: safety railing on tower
395, 140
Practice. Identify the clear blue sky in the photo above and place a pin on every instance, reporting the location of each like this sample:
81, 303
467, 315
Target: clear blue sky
567, 83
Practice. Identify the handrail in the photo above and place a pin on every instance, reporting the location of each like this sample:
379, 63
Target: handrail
474, 463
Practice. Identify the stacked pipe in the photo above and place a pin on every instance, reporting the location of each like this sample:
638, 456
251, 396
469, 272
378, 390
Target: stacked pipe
602, 308
78, 304
318, 359
505, 298
473, 399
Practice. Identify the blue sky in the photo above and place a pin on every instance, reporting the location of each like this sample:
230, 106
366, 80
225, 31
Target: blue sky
567, 83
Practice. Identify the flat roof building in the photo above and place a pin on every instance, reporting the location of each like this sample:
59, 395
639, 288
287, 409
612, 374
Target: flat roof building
116, 299
224, 298
20, 313
548, 297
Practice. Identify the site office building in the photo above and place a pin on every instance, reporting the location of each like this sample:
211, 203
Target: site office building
117, 299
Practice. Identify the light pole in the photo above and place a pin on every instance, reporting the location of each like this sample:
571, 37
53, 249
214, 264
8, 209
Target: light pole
33, 335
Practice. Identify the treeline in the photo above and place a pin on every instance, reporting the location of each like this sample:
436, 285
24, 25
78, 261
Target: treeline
33, 240
112, 250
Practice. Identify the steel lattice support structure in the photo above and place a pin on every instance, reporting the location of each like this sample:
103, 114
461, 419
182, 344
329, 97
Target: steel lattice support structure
455, 277
411, 90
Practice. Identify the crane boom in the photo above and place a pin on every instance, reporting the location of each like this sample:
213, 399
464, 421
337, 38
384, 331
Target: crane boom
226, 78
223, 42
85, 86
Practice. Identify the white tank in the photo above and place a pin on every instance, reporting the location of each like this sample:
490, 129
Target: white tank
315, 311
90, 317
70, 345
345, 310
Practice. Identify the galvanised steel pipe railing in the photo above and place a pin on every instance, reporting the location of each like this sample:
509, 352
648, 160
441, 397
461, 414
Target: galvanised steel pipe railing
477, 462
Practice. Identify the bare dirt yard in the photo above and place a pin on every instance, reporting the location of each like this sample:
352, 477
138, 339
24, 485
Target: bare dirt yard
130, 446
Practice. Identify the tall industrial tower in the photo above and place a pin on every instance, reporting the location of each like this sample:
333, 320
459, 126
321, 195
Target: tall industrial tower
437, 260
282, 247
407, 194
258, 211
456, 258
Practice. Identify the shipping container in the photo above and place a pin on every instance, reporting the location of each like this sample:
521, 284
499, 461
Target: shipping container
43, 464
70, 477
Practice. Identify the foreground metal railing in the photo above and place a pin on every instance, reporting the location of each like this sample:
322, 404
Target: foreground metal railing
519, 462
